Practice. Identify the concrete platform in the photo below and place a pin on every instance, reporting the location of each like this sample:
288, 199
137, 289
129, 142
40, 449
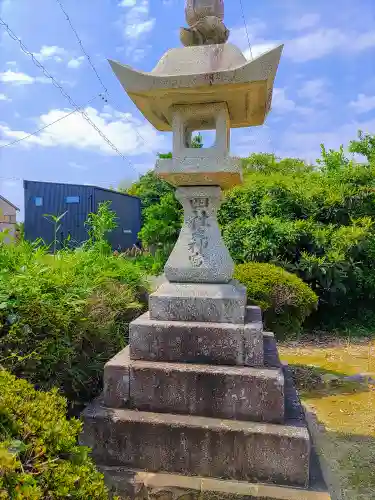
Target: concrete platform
198, 342
240, 393
200, 446
140, 485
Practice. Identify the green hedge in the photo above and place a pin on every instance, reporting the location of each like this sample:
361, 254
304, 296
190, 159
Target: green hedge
285, 299
39, 455
63, 316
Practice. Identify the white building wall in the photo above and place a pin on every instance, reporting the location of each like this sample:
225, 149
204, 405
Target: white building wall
8, 218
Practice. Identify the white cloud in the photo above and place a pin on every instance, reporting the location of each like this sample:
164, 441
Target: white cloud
363, 103
18, 78
50, 52
322, 42
307, 144
9, 183
303, 22
314, 90
282, 104
136, 23
127, 3
137, 18
364, 41
128, 134
59, 55
314, 45
254, 140
76, 62
258, 49
3, 97
11, 63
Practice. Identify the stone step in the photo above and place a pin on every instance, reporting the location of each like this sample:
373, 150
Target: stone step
204, 302
198, 446
199, 342
141, 485
236, 392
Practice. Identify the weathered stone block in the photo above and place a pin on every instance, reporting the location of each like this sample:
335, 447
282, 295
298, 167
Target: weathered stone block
198, 342
190, 445
214, 303
240, 393
116, 381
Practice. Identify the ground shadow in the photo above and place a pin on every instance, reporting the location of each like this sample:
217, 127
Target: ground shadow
319, 382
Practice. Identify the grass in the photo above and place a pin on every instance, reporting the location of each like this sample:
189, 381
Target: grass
346, 410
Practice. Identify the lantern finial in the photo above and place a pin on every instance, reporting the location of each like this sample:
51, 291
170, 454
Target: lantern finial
205, 20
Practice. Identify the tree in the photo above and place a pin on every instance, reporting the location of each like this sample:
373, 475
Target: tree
162, 223
150, 189
332, 161
364, 146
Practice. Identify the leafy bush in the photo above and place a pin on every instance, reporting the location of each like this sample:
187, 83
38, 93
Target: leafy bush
315, 221
63, 316
39, 455
285, 299
162, 223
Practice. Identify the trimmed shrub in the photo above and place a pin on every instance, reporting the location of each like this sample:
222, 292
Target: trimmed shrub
39, 455
286, 301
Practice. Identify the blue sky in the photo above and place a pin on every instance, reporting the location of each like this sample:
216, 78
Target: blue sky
324, 90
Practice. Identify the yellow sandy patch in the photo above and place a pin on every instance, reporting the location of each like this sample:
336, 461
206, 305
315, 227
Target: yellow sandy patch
347, 414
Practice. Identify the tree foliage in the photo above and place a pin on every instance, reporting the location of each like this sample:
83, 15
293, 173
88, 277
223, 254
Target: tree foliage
313, 220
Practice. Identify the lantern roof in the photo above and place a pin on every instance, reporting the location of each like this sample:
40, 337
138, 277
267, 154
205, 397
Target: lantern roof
202, 74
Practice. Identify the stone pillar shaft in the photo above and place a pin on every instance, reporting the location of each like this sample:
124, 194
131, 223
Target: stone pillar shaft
200, 255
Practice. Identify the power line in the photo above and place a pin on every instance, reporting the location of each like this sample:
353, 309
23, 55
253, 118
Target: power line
81, 45
247, 32
62, 91
92, 64
43, 128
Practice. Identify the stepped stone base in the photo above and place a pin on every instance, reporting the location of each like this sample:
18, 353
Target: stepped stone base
199, 342
170, 439
202, 446
140, 485
214, 303
240, 393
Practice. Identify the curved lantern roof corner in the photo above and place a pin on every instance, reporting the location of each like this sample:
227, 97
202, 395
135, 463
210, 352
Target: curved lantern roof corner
202, 74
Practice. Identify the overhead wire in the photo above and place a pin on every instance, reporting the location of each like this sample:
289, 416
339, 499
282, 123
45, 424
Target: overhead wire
252, 57
81, 45
246, 30
62, 91
84, 51
16, 141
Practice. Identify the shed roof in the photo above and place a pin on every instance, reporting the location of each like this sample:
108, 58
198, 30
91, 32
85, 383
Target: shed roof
9, 203
81, 185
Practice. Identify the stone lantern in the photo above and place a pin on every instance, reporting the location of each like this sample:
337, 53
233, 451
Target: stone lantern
202, 87
198, 405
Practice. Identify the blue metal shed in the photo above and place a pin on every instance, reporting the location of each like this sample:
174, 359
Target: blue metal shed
78, 201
